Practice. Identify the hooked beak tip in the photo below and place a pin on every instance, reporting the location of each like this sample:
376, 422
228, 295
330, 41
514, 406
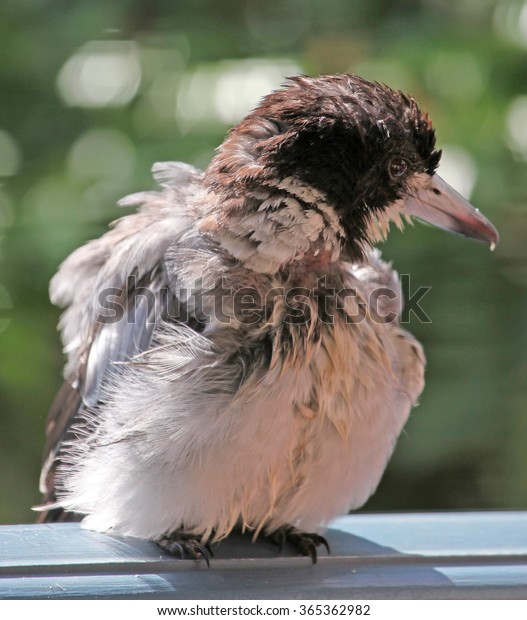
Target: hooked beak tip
439, 204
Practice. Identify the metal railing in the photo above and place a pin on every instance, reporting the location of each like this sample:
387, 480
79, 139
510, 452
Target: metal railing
373, 556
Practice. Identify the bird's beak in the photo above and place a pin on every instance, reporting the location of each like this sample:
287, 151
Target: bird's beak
434, 201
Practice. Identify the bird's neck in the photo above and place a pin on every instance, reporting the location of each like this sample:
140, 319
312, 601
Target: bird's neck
272, 225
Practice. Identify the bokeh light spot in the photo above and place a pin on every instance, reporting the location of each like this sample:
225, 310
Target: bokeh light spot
225, 92
458, 168
510, 20
102, 153
516, 127
100, 74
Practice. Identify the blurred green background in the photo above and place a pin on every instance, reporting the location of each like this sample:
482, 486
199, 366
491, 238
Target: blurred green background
92, 93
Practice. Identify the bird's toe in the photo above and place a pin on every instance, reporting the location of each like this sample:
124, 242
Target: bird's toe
305, 543
183, 546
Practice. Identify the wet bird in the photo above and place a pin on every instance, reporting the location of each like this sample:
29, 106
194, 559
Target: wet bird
234, 352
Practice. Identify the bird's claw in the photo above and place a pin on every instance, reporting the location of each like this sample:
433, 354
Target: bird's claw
305, 543
186, 547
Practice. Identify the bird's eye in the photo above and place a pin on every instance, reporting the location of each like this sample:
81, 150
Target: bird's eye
398, 167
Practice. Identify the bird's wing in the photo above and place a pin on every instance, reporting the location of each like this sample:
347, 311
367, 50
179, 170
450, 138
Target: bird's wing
116, 291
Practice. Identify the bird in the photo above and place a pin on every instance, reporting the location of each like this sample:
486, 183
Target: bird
234, 353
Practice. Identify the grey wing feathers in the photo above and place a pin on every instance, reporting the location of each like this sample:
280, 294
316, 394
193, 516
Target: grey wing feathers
143, 306
124, 266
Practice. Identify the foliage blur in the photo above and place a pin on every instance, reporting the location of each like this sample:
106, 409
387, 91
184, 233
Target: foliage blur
91, 93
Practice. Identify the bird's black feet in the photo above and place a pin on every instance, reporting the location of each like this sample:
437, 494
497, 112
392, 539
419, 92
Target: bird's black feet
185, 546
305, 543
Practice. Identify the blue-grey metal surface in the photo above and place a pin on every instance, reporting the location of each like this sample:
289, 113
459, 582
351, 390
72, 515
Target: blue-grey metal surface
445, 555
